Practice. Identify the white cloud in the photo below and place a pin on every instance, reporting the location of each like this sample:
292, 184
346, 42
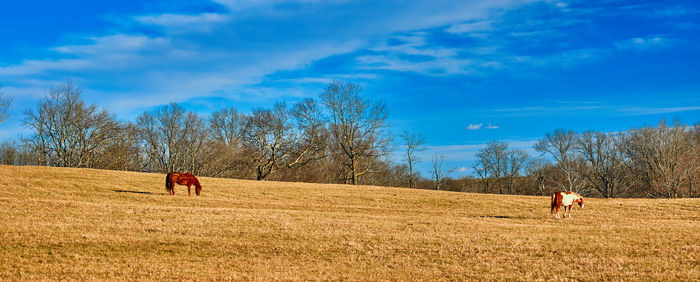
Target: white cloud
643, 43
472, 27
237, 5
474, 126
462, 169
179, 23
108, 44
31, 67
111, 52
478, 126
639, 111
466, 153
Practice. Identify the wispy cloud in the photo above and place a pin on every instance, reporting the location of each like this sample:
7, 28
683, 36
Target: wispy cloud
643, 43
31, 67
184, 22
465, 154
478, 126
474, 126
470, 27
640, 111
547, 110
238, 5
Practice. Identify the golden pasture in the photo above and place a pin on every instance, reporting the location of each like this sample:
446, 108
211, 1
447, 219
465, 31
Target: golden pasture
62, 223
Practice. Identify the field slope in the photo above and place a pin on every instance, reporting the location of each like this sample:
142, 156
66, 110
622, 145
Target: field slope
59, 223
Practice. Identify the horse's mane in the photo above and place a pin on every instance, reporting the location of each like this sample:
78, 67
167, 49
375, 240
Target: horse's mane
569, 192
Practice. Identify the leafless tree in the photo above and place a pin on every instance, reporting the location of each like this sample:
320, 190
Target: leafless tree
67, 132
173, 140
491, 165
606, 170
515, 163
281, 138
124, 152
227, 126
357, 127
693, 168
561, 146
439, 172
268, 134
227, 129
310, 134
414, 144
482, 172
8, 153
498, 167
5, 103
537, 170
664, 159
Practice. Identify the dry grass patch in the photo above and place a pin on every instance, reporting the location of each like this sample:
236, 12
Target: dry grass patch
59, 223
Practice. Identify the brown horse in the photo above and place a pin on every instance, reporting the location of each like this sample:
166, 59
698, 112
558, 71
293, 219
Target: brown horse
182, 179
566, 199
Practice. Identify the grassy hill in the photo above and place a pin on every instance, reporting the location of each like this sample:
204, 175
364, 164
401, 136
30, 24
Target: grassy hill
62, 223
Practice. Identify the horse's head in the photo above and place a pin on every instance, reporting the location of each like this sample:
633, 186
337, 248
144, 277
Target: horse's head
580, 201
198, 189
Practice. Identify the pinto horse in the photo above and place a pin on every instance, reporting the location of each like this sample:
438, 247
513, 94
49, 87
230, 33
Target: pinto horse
566, 199
182, 179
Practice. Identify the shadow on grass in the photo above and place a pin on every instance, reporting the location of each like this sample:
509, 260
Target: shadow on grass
134, 192
503, 217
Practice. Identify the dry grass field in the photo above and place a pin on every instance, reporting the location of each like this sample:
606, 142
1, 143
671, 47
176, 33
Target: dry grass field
59, 223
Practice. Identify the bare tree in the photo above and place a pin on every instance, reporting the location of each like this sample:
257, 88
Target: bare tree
439, 172
491, 165
173, 140
606, 170
515, 163
124, 152
561, 146
664, 159
414, 143
5, 103
268, 134
500, 168
537, 169
482, 171
310, 134
356, 127
227, 127
693, 168
67, 132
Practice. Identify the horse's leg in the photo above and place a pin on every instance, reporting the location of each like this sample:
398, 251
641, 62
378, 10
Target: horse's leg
570, 207
558, 211
188, 190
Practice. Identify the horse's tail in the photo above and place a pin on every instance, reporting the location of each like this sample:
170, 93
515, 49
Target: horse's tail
168, 182
554, 202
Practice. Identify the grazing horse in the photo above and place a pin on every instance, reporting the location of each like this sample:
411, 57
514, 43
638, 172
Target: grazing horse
566, 199
182, 179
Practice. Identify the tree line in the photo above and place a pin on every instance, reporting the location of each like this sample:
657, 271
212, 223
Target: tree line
342, 137
655, 161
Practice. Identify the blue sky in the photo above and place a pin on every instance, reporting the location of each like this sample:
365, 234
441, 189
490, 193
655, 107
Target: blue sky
462, 73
